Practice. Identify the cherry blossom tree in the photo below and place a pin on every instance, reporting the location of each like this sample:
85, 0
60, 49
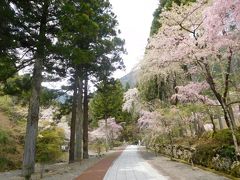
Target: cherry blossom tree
159, 126
199, 36
149, 120
224, 23
220, 42
192, 93
213, 43
222, 32
132, 102
150, 127
111, 131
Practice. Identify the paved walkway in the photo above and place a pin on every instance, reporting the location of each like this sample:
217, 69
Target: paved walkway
131, 166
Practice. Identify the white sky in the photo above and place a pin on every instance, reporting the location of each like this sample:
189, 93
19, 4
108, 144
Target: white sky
135, 19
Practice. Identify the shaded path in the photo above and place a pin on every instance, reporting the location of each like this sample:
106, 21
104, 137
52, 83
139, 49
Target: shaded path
131, 166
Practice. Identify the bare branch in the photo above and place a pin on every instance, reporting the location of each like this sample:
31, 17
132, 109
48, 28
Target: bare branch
25, 53
234, 102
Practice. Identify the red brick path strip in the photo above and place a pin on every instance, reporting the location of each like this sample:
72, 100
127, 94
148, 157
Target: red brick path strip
98, 171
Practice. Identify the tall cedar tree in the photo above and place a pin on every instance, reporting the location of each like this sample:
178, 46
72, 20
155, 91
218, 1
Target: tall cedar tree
36, 24
94, 51
107, 50
78, 30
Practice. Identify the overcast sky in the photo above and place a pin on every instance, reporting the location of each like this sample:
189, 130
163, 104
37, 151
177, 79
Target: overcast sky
135, 19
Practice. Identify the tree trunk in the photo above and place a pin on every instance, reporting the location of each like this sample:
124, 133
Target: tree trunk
42, 171
79, 122
174, 87
232, 117
233, 134
171, 144
85, 119
195, 125
73, 121
32, 122
220, 99
220, 122
200, 127
212, 121
34, 104
106, 139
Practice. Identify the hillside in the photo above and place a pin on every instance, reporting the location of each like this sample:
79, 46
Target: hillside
12, 131
130, 78
11, 143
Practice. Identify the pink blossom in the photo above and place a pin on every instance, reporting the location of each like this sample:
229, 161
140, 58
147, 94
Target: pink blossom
114, 130
148, 120
132, 101
191, 93
222, 18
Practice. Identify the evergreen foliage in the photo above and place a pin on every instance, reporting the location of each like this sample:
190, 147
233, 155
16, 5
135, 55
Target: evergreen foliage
107, 101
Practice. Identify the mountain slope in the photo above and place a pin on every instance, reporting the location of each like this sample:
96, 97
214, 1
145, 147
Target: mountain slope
130, 78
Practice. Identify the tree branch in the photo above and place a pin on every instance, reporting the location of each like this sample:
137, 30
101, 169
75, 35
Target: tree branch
227, 74
234, 102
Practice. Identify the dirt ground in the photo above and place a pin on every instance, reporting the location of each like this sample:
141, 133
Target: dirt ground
65, 171
60, 171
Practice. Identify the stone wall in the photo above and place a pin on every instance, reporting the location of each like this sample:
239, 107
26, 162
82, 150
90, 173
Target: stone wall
217, 162
179, 152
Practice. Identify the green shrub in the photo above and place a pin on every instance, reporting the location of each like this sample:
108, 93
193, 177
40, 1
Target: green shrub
204, 154
8, 152
236, 171
207, 135
49, 145
226, 151
117, 143
5, 103
225, 136
4, 137
11, 149
6, 164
